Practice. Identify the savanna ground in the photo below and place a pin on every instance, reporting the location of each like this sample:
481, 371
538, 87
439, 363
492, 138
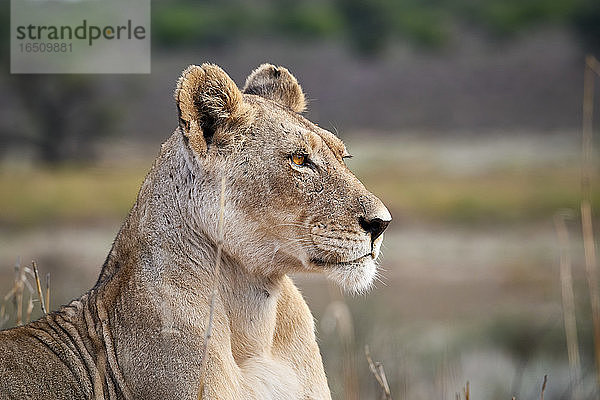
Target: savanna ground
469, 288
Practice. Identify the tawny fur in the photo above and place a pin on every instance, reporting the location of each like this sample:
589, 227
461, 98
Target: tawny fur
139, 332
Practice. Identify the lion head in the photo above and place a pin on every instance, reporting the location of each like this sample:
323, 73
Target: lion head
292, 204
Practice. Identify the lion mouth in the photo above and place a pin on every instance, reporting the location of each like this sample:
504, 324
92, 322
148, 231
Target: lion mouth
324, 263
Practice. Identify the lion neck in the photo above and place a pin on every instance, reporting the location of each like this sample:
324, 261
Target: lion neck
173, 255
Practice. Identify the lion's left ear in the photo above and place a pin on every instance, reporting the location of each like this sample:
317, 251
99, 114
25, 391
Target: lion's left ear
209, 105
277, 84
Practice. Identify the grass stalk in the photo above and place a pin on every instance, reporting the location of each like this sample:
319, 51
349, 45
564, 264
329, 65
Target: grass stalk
29, 309
38, 286
339, 312
213, 294
379, 374
591, 68
568, 304
543, 387
3, 316
48, 292
18, 292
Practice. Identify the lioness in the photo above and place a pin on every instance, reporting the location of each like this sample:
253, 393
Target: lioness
290, 205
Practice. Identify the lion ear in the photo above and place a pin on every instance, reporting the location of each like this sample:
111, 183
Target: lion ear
207, 99
277, 84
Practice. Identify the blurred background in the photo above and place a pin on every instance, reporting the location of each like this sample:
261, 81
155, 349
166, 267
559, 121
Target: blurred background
463, 116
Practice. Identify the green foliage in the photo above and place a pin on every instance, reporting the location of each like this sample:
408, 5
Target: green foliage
506, 17
308, 20
367, 26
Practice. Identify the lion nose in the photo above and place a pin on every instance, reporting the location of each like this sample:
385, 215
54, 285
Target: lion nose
376, 216
375, 225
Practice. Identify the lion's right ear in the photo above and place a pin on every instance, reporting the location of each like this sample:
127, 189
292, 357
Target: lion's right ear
208, 102
277, 84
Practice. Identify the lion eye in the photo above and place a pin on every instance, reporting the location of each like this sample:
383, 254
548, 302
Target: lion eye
299, 159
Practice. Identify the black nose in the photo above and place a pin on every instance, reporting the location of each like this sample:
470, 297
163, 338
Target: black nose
374, 226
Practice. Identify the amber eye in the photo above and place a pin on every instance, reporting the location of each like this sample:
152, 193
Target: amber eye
299, 159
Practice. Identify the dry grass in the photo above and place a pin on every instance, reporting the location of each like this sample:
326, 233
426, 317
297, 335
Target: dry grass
591, 68
215, 284
38, 286
466, 393
568, 302
378, 372
543, 387
337, 320
21, 289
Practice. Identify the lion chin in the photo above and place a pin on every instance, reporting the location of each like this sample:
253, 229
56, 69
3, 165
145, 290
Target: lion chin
354, 277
